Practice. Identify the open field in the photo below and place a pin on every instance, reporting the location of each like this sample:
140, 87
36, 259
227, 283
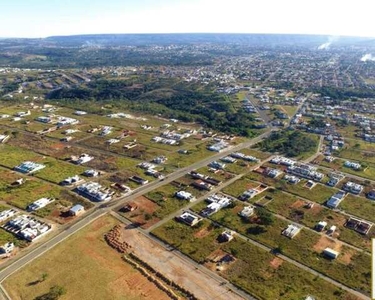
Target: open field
85, 256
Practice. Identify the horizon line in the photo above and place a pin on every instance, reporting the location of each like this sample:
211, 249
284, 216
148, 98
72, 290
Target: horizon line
192, 33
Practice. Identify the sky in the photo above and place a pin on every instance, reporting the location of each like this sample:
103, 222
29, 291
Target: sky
42, 18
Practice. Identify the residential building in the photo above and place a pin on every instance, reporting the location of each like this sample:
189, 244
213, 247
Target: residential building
91, 173
76, 210
82, 159
4, 138
291, 231
353, 187
185, 196
321, 226
335, 200
247, 211
72, 180
29, 167
226, 236
189, 218
330, 253
371, 195
7, 248
138, 180
95, 191
40, 203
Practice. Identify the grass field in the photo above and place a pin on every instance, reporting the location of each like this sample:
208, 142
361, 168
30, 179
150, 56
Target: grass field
267, 277
304, 248
87, 267
165, 199
359, 206
254, 270
23, 195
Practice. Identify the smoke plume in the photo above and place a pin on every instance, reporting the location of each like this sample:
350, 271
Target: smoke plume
368, 57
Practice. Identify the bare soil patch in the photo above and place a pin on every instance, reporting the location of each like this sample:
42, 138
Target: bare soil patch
325, 242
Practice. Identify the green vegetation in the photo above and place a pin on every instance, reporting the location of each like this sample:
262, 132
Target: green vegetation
196, 242
253, 270
359, 206
186, 102
302, 248
291, 144
164, 198
54, 293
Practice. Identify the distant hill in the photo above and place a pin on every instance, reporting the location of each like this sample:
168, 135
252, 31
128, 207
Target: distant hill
198, 38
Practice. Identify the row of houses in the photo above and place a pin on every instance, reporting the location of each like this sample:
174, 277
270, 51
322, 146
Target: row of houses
353, 187
40, 203
165, 141
60, 121
27, 227
219, 146
305, 171
95, 191
207, 179
240, 155
150, 170
352, 165
8, 213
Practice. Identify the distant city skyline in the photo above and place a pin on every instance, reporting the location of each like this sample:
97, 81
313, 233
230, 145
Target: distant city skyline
41, 18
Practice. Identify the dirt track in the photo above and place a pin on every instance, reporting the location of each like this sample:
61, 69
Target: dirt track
177, 269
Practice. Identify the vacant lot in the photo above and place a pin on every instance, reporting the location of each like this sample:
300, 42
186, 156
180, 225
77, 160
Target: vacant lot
300, 248
87, 267
254, 270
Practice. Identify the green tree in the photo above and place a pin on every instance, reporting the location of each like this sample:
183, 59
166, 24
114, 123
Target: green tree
54, 293
44, 277
265, 217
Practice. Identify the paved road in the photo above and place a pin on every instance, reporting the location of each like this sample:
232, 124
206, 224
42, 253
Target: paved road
217, 189
191, 204
262, 113
19, 261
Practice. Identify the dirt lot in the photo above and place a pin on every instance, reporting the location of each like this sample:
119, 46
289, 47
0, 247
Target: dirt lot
325, 242
276, 263
87, 267
145, 207
176, 268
